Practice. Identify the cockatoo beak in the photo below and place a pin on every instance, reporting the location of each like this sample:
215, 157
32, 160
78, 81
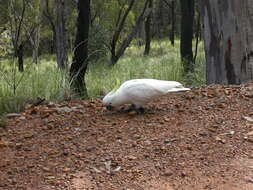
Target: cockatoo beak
109, 107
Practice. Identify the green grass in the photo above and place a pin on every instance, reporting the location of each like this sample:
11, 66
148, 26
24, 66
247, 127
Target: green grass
46, 81
163, 63
42, 80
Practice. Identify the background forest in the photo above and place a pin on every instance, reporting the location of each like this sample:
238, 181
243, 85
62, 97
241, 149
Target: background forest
58, 58
41, 57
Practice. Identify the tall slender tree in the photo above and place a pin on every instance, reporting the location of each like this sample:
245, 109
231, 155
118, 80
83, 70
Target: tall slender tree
47, 13
32, 27
172, 18
187, 17
147, 30
60, 29
173, 23
16, 20
80, 60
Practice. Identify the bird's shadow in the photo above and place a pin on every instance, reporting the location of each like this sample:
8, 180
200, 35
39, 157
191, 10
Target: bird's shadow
131, 111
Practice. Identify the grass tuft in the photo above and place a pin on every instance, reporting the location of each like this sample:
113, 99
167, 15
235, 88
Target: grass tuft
42, 80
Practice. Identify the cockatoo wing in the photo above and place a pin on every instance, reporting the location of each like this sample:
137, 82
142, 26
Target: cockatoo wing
140, 91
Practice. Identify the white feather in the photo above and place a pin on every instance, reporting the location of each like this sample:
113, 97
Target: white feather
141, 91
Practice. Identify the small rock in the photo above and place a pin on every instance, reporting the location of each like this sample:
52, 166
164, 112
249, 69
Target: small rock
148, 142
3, 144
203, 134
64, 109
130, 157
22, 118
27, 136
250, 119
220, 140
90, 148
250, 133
66, 169
18, 145
167, 141
250, 180
168, 173
50, 177
97, 170
46, 169
183, 174
250, 140
132, 113
221, 105
228, 133
137, 136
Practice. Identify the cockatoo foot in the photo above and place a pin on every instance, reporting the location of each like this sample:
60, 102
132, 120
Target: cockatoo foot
137, 109
140, 110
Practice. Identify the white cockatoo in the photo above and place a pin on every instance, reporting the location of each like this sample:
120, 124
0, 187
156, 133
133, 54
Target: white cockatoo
139, 92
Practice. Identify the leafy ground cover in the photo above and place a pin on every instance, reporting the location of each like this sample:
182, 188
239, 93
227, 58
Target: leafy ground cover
201, 139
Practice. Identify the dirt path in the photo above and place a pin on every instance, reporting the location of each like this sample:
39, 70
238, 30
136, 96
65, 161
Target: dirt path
193, 141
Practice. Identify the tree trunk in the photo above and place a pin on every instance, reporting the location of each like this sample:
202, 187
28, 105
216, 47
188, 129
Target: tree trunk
160, 19
120, 51
61, 46
173, 21
48, 15
20, 55
38, 20
228, 26
141, 34
36, 46
119, 28
147, 30
80, 62
187, 11
197, 36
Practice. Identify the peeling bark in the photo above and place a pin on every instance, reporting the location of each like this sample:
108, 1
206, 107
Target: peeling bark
228, 26
60, 29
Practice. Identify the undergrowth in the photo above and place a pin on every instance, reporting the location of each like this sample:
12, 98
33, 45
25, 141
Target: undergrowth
46, 81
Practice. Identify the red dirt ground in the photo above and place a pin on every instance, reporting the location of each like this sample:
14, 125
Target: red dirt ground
198, 140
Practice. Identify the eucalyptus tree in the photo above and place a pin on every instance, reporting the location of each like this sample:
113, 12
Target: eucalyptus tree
171, 4
228, 37
55, 13
148, 29
187, 18
80, 59
32, 26
117, 49
16, 16
60, 29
